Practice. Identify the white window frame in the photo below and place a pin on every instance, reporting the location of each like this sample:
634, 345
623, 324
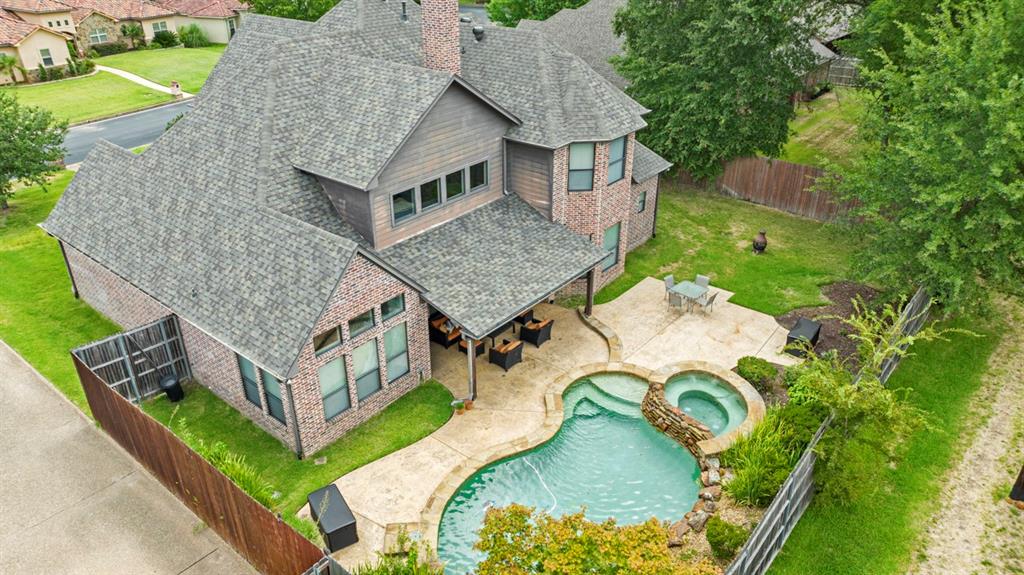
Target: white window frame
44, 55
98, 36
162, 24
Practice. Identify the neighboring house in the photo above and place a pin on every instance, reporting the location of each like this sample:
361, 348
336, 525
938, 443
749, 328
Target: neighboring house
100, 21
338, 183
587, 32
31, 45
48, 14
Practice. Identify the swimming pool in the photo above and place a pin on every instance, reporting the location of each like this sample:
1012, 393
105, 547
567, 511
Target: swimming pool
605, 456
707, 399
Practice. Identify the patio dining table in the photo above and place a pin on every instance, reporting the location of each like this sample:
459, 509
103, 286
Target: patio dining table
690, 291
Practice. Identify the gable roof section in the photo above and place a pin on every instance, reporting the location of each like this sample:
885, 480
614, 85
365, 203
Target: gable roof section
120, 9
204, 8
646, 163
35, 6
587, 32
13, 30
248, 281
483, 268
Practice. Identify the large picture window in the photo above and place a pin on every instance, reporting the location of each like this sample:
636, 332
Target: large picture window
611, 243
581, 166
617, 160
396, 350
97, 36
334, 387
366, 365
249, 383
272, 389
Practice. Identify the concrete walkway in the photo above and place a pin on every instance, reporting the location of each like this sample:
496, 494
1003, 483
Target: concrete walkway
73, 502
139, 80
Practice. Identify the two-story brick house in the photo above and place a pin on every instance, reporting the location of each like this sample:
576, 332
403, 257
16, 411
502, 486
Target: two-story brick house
339, 182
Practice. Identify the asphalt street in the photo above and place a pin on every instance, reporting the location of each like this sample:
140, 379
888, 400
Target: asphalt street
127, 131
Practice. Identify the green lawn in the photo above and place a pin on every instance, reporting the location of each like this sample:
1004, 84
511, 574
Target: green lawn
825, 129
188, 66
878, 535
705, 233
410, 418
38, 315
88, 98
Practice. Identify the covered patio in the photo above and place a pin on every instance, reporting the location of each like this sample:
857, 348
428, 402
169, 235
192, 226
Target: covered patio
487, 273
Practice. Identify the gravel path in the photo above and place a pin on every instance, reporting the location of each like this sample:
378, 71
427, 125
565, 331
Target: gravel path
975, 532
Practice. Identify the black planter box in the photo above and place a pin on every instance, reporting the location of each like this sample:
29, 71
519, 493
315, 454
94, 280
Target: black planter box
806, 330
336, 522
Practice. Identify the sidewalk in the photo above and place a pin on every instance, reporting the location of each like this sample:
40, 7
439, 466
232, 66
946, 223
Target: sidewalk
74, 502
140, 80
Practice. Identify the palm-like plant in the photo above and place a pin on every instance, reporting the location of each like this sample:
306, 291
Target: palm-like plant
134, 33
8, 64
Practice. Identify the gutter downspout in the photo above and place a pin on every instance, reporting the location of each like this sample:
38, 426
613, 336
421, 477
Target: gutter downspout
295, 420
657, 196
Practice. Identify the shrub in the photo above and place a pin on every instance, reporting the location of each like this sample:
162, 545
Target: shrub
165, 39
41, 73
173, 121
408, 565
86, 66
192, 36
759, 372
108, 49
725, 538
93, 53
55, 73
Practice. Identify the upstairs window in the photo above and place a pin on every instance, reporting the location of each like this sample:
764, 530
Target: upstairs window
392, 307
455, 184
581, 166
97, 36
327, 341
249, 383
430, 194
617, 160
272, 390
403, 205
477, 176
45, 56
361, 323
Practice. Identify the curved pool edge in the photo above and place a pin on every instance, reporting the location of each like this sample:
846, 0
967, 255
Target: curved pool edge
430, 516
753, 399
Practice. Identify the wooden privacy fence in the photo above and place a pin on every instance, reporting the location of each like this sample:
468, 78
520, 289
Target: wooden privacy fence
133, 361
779, 184
267, 543
789, 504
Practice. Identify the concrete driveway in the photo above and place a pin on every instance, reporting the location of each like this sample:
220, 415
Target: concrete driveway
73, 502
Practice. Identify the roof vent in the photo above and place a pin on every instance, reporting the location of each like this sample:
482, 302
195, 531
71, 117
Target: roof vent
478, 31
405, 16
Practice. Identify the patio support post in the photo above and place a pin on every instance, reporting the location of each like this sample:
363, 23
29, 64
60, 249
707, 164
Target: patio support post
471, 354
591, 280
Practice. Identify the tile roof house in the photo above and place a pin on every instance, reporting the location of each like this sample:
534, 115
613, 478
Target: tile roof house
25, 36
99, 21
341, 182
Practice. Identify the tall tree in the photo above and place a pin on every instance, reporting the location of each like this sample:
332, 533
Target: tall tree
510, 12
31, 145
309, 10
879, 29
940, 194
717, 75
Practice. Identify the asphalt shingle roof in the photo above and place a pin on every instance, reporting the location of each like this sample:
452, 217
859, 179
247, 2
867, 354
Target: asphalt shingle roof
489, 265
242, 273
646, 163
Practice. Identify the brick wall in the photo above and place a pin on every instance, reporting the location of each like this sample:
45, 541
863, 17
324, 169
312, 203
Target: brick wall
641, 224
214, 365
440, 30
364, 286
590, 213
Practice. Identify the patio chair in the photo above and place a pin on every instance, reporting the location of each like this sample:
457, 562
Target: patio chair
675, 300
522, 319
536, 332
706, 306
507, 354
670, 282
442, 332
463, 346
702, 281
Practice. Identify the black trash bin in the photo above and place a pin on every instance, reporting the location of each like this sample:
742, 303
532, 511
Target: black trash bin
169, 384
334, 518
805, 330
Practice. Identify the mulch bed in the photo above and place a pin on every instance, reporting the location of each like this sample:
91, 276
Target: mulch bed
833, 332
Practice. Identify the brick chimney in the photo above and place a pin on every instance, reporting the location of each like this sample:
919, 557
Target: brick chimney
440, 22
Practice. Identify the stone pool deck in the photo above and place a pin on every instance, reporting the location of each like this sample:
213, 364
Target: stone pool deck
521, 408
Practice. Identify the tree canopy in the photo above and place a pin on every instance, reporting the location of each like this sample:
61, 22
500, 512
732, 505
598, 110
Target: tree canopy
717, 75
31, 144
879, 28
940, 193
510, 12
309, 10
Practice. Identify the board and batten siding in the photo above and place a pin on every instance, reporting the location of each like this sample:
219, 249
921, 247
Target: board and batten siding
459, 131
352, 204
529, 175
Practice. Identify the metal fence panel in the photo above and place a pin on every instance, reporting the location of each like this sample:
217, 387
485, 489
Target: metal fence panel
793, 498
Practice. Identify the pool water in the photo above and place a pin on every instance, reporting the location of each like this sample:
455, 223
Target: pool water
707, 399
605, 457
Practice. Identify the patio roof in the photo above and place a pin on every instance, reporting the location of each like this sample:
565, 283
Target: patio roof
486, 267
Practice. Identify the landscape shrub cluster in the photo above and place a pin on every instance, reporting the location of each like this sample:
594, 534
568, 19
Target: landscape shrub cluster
725, 538
165, 39
107, 49
192, 36
759, 372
